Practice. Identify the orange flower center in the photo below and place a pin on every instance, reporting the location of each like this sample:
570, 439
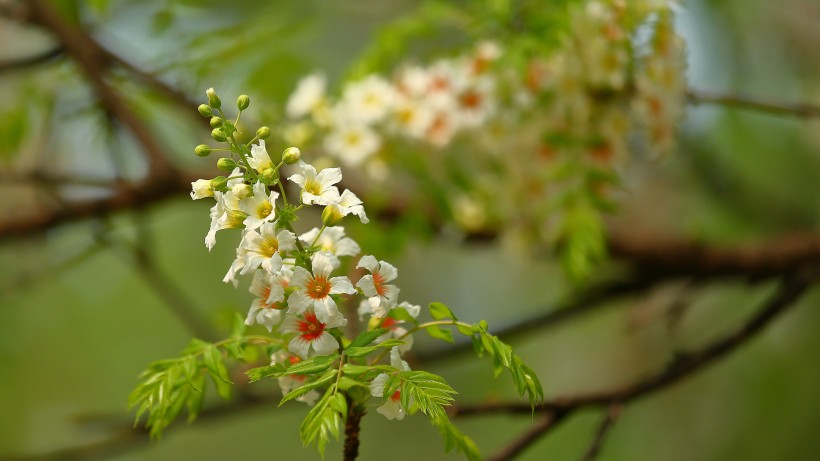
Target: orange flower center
396, 396
378, 282
318, 288
311, 328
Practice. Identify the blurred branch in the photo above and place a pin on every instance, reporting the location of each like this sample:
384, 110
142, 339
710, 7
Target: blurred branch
544, 424
683, 365
178, 303
609, 419
84, 51
7, 65
698, 97
127, 438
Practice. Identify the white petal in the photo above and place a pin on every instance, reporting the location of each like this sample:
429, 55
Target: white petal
325, 344
391, 410
377, 385
341, 284
387, 271
322, 267
367, 286
411, 309
329, 177
299, 346
368, 262
299, 302
325, 309
287, 240
300, 277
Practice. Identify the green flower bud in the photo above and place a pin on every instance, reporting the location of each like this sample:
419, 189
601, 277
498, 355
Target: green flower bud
203, 150
263, 133
331, 215
269, 176
205, 110
213, 99
217, 122
243, 101
219, 135
291, 155
226, 164
220, 183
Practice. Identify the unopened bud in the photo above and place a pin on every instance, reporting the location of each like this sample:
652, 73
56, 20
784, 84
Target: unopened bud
213, 99
203, 150
216, 122
291, 155
226, 164
205, 110
331, 215
263, 132
243, 101
269, 175
220, 183
242, 190
219, 135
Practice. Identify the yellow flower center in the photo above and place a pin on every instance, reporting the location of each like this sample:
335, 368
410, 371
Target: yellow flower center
263, 209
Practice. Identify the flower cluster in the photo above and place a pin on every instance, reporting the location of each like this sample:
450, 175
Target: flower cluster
296, 294
527, 135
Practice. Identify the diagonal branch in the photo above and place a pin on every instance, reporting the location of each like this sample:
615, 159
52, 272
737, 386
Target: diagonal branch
801, 110
684, 365
610, 417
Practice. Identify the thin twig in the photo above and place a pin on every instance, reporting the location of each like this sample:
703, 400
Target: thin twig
802, 110
609, 419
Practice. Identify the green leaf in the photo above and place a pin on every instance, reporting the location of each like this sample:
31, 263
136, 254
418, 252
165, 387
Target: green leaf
366, 338
362, 351
272, 371
311, 366
326, 418
429, 392
440, 333
400, 313
454, 438
212, 359
441, 312
346, 383
302, 390
351, 369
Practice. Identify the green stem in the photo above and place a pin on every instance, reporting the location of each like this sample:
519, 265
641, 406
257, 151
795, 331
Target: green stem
422, 326
312, 244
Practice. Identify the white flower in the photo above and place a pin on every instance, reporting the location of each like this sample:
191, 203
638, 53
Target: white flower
201, 188
309, 94
352, 143
224, 215
267, 308
348, 203
259, 207
317, 188
262, 246
375, 285
395, 327
369, 99
312, 339
290, 382
392, 408
332, 240
411, 118
314, 290
259, 159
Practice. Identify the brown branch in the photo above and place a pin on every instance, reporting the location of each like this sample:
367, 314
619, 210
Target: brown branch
544, 424
609, 419
7, 65
81, 48
352, 427
667, 256
697, 97
127, 438
684, 364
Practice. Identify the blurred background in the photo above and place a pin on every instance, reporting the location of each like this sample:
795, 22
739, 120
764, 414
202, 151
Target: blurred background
89, 297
